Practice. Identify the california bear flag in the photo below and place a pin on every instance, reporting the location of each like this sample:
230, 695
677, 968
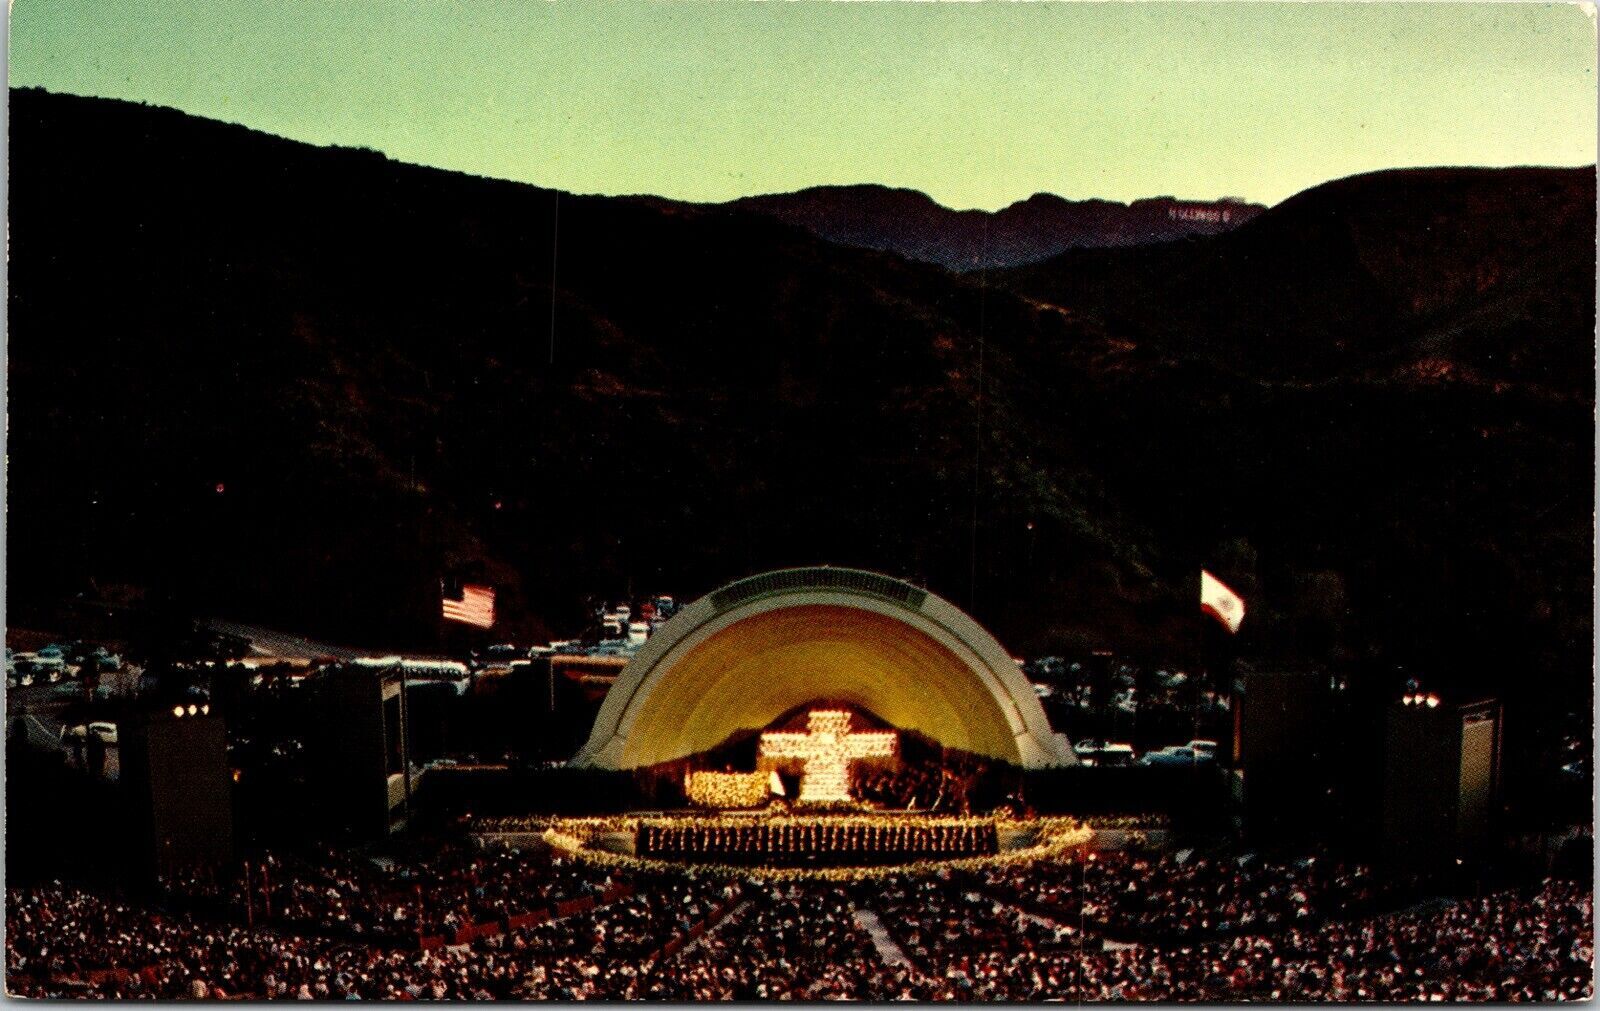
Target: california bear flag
1220, 602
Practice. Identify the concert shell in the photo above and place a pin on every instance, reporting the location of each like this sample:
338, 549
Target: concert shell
740, 657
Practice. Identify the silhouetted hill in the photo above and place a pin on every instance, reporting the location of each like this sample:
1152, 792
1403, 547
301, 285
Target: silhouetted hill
1457, 275
359, 354
910, 223
1395, 374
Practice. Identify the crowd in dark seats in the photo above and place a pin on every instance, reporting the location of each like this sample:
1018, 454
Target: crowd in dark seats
937, 918
607, 952
62, 942
337, 894
783, 942
1502, 947
1171, 897
661, 908
678, 935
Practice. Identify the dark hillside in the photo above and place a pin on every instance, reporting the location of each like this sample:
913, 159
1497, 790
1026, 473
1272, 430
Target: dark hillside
1465, 275
1371, 407
1392, 377
359, 352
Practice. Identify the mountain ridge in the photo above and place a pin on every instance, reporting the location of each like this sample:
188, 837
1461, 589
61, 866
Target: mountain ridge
913, 224
301, 383
1473, 236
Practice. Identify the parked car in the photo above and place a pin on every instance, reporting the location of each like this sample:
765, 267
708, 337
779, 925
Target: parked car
103, 659
107, 732
51, 661
1177, 754
1104, 755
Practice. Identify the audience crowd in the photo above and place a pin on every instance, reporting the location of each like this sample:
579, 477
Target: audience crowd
435, 893
1502, 947
1117, 927
1183, 896
784, 942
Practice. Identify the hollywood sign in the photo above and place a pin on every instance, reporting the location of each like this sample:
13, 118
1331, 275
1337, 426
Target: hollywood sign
1209, 215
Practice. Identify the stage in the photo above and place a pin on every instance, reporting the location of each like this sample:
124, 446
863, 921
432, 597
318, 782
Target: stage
799, 844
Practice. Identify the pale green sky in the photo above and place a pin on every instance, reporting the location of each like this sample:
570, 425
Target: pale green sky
978, 104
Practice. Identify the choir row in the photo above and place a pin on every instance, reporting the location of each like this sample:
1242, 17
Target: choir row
942, 840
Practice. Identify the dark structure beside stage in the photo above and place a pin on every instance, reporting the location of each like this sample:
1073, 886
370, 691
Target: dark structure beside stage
359, 741
1282, 739
1441, 778
818, 842
175, 773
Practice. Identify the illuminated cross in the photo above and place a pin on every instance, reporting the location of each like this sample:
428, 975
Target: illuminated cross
827, 748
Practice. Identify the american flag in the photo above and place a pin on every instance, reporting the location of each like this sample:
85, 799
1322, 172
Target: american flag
474, 607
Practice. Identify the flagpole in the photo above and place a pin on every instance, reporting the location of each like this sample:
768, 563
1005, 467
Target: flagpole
440, 624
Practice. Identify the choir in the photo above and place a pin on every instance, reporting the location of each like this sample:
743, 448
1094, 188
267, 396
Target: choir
777, 839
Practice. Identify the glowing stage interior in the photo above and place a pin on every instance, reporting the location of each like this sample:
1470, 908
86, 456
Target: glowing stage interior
738, 659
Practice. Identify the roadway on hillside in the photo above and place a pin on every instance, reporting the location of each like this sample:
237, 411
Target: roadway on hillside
41, 707
269, 643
